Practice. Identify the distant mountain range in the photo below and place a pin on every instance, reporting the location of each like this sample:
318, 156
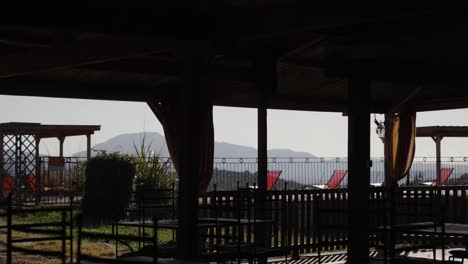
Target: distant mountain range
304, 168
125, 143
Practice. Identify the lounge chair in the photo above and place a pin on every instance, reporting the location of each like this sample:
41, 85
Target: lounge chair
334, 181
444, 175
33, 186
272, 178
8, 185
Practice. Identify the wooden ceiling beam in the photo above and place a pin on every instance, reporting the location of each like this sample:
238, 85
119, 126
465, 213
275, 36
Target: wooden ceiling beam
79, 53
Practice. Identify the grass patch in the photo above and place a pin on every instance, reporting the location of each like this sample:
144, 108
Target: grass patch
89, 247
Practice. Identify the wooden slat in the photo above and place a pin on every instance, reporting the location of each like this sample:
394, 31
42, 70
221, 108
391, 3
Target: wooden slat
302, 223
275, 213
296, 222
308, 221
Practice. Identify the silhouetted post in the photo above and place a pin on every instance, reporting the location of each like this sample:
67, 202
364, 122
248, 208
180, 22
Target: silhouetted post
262, 148
188, 154
88, 146
438, 217
2, 166
261, 237
266, 82
389, 191
38, 175
359, 170
61, 141
437, 140
9, 229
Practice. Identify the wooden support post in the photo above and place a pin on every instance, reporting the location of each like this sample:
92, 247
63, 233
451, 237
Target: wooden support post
88, 146
262, 143
61, 141
261, 231
2, 162
188, 155
9, 237
38, 167
266, 82
389, 192
437, 140
438, 217
359, 170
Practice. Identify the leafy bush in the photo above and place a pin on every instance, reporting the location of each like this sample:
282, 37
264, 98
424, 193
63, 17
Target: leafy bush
152, 171
108, 187
79, 170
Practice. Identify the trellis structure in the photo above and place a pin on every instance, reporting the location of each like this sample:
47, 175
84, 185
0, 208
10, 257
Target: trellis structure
19, 151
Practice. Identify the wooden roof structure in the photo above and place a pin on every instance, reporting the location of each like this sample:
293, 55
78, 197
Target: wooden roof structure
47, 131
307, 49
437, 133
348, 57
442, 131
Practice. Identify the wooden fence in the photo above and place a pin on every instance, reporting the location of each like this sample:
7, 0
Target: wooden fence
307, 221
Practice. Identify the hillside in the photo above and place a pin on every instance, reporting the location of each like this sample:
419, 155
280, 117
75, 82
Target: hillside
124, 143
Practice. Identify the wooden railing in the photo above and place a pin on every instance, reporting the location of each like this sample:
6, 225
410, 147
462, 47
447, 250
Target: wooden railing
308, 221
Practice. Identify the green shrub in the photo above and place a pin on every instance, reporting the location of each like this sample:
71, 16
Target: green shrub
108, 186
79, 171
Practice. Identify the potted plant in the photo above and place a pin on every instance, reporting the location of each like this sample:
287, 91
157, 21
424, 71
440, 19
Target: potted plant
154, 181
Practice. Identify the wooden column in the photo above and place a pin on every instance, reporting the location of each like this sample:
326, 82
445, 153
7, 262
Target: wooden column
262, 143
261, 205
437, 140
266, 82
88, 146
188, 155
389, 192
38, 166
2, 156
61, 141
358, 170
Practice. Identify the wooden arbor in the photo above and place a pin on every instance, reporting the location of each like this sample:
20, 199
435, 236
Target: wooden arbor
296, 55
437, 133
19, 151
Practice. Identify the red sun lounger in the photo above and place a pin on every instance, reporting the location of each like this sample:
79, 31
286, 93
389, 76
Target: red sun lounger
335, 180
445, 173
8, 185
272, 178
33, 186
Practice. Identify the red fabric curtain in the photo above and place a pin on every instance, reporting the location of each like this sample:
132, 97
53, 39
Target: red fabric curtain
401, 143
166, 112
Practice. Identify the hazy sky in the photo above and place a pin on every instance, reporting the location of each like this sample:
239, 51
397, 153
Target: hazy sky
321, 134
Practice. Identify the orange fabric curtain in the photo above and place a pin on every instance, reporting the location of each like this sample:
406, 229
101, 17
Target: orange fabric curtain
401, 143
166, 112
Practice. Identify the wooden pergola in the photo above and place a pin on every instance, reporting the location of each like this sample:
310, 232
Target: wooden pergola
41, 131
296, 55
437, 133
19, 148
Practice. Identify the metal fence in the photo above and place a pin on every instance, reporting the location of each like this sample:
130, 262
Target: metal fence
299, 173
228, 173
58, 182
303, 173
